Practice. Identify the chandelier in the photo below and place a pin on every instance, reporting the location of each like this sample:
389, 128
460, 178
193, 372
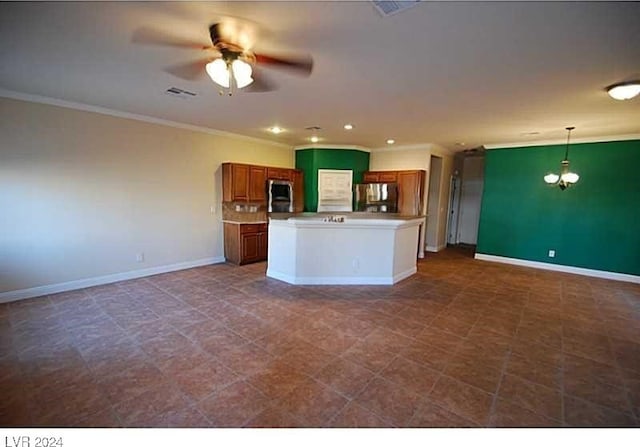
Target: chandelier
566, 177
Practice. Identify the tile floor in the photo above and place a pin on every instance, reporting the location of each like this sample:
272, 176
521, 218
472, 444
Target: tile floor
463, 343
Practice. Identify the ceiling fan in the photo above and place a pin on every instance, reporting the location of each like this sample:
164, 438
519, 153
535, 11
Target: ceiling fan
230, 61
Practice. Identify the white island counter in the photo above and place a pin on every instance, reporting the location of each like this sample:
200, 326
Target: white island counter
312, 250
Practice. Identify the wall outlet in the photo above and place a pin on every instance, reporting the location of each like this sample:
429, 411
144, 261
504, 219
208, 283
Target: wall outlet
552, 253
140, 257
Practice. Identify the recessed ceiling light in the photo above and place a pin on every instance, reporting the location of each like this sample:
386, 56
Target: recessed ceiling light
276, 130
348, 126
314, 139
391, 141
624, 90
461, 144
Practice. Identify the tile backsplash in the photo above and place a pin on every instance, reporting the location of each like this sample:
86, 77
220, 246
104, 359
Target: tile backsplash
244, 212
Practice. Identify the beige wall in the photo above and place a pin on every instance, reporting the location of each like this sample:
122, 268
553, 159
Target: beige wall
82, 193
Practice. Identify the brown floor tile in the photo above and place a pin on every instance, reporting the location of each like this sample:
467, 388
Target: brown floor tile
581, 413
627, 353
508, 414
277, 380
534, 370
356, 416
313, 402
234, 406
369, 356
199, 380
430, 415
439, 339
462, 399
474, 371
413, 377
344, 376
531, 396
143, 409
430, 356
275, 417
386, 398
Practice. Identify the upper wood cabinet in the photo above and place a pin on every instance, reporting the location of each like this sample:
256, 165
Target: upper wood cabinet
380, 177
235, 182
257, 184
279, 174
410, 188
248, 183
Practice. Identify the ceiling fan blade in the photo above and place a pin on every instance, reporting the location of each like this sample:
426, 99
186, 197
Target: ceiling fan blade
300, 65
234, 33
260, 84
150, 36
191, 71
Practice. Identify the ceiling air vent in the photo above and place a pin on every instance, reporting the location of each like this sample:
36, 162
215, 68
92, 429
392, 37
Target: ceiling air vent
389, 8
179, 93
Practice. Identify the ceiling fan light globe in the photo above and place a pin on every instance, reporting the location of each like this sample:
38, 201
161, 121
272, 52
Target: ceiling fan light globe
551, 178
218, 72
570, 177
242, 73
622, 92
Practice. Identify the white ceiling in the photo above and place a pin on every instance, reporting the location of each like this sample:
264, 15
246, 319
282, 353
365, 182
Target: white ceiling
440, 72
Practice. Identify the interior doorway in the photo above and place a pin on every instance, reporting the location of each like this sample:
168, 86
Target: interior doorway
470, 199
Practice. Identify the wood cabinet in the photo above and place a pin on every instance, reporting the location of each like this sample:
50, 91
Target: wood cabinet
411, 192
235, 182
410, 188
243, 183
298, 191
280, 174
248, 183
380, 177
257, 184
245, 242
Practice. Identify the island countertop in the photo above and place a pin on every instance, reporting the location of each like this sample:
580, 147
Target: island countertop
346, 215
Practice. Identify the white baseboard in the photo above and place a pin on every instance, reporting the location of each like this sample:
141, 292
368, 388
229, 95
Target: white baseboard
432, 249
561, 268
341, 280
15, 295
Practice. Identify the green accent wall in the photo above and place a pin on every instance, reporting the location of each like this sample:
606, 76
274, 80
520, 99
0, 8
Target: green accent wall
591, 225
310, 160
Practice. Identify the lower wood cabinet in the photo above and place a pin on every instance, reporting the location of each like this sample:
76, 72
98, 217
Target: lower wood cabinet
245, 242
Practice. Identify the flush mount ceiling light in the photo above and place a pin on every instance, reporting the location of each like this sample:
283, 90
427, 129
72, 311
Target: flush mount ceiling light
566, 177
391, 141
348, 126
276, 130
624, 90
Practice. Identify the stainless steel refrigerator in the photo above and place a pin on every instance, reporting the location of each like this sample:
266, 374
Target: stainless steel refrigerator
377, 197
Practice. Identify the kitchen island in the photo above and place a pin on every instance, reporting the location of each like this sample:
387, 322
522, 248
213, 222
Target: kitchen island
343, 249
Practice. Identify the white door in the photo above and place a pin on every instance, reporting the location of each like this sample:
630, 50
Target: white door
470, 197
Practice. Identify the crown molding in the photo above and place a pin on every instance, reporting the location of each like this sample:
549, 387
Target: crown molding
21, 96
602, 139
407, 147
331, 146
